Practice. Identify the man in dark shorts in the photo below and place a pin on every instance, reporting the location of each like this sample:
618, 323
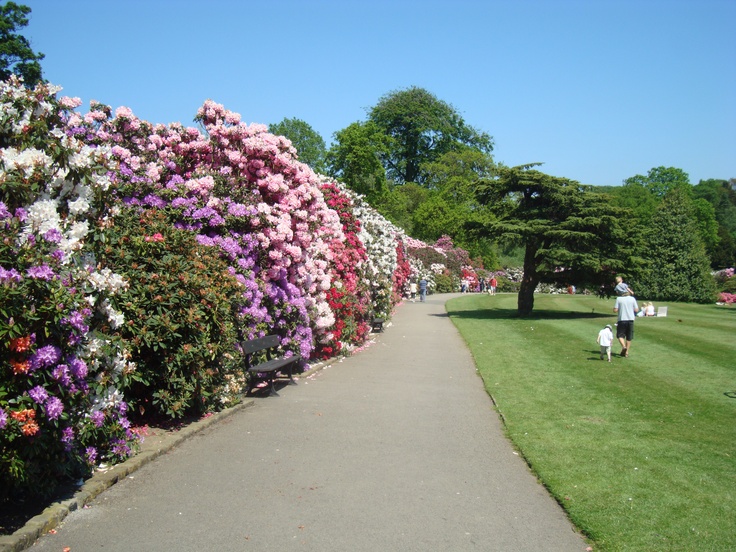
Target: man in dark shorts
626, 308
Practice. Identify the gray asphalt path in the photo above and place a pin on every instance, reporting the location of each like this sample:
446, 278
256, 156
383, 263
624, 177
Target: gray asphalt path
397, 448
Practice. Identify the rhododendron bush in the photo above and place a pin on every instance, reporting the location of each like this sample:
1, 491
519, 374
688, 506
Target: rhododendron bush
135, 257
61, 410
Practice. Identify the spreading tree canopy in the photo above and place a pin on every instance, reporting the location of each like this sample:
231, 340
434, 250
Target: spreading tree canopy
421, 128
355, 158
16, 55
570, 235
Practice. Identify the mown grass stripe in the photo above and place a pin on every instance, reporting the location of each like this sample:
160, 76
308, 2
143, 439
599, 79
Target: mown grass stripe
642, 451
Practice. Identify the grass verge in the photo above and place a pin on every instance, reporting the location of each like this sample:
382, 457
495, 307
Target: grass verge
641, 452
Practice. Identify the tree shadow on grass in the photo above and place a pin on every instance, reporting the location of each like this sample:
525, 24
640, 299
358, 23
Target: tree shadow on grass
513, 314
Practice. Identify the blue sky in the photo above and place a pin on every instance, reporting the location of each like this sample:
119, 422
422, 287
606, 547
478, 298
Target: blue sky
597, 90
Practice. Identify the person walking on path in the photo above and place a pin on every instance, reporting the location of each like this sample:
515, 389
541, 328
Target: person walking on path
626, 307
413, 291
605, 338
423, 289
492, 287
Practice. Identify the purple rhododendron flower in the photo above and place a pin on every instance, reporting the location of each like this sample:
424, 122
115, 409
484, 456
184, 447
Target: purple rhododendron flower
154, 201
67, 437
21, 214
10, 276
76, 321
54, 408
78, 368
90, 454
45, 356
38, 394
98, 418
3, 418
4, 213
53, 235
43, 272
61, 374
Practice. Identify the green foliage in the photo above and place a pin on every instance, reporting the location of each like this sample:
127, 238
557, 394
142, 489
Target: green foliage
722, 196
637, 198
309, 144
16, 55
660, 180
180, 311
677, 267
444, 283
355, 159
421, 128
641, 452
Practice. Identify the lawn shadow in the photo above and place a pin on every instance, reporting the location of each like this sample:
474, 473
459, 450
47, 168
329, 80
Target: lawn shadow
513, 314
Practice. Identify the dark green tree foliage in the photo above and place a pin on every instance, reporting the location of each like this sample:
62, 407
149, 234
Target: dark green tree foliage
678, 268
570, 235
421, 128
452, 204
16, 55
659, 182
722, 196
308, 143
355, 159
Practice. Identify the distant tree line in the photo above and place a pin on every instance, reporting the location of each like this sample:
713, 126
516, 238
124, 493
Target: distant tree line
423, 167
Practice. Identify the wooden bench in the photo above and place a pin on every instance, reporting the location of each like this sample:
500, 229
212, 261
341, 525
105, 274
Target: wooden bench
271, 366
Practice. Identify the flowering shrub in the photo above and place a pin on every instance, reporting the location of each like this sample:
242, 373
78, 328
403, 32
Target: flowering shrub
242, 191
728, 298
61, 411
180, 310
134, 256
725, 280
379, 236
349, 296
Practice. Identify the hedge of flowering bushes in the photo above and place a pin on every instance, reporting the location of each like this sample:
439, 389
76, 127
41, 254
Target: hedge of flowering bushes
136, 256
61, 410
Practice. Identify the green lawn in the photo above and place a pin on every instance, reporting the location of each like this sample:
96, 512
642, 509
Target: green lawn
641, 452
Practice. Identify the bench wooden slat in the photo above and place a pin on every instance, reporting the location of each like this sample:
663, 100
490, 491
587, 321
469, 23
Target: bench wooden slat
260, 343
267, 370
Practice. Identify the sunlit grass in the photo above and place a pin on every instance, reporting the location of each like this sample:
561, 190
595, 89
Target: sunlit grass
641, 452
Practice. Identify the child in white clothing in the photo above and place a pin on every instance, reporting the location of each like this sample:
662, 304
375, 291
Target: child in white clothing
605, 338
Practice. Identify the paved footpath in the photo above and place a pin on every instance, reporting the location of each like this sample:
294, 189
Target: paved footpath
397, 448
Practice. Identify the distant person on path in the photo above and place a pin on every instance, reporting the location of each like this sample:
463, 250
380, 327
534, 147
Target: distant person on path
626, 308
413, 291
622, 287
422, 289
605, 338
492, 286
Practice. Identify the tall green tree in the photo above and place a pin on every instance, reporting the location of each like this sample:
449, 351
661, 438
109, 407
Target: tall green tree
677, 268
722, 196
355, 159
659, 182
308, 143
570, 235
421, 128
16, 55
452, 205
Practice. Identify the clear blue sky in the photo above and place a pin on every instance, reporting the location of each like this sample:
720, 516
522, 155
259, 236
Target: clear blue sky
597, 90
